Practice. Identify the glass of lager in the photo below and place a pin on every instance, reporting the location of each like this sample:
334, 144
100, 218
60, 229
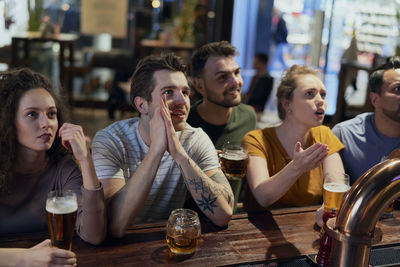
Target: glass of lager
61, 210
335, 186
183, 231
234, 160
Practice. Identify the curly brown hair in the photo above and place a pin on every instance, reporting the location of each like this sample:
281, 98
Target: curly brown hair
13, 85
288, 84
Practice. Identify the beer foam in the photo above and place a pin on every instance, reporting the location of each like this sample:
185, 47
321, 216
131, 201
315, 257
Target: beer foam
234, 155
336, 187
61, 206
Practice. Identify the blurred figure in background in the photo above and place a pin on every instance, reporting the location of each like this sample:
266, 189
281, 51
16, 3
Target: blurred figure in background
261, 84
279, 36
200, 25
350, 55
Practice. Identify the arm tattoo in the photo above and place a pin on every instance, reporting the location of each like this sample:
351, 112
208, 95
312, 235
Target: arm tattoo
228, 195
196, 184
209, 191
219, 178
207, 203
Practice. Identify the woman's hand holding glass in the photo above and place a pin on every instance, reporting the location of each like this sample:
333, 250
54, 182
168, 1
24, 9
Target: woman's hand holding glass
43, 254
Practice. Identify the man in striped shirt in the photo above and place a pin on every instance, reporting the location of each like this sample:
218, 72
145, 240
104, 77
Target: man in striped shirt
147, 165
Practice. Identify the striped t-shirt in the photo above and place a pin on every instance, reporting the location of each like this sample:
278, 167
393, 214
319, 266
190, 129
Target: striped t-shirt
119, 149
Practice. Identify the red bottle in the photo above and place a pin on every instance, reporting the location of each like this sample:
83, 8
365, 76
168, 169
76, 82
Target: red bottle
325, 243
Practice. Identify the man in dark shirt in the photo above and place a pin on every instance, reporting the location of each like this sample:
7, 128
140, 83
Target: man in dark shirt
216, 76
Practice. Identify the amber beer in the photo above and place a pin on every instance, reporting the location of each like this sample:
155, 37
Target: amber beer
61, 216
181, 244
183, 231
234, 163
333, 195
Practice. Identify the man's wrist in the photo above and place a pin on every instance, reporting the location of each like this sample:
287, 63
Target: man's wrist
181, 157
155, 153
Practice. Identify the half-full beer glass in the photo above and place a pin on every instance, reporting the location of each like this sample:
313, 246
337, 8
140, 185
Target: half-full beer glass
61, 210
335, 186
183, 231
234, 160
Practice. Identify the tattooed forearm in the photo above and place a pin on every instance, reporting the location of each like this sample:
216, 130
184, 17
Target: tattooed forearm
206, 190
228, 196
219, 177
207, 203
197, 185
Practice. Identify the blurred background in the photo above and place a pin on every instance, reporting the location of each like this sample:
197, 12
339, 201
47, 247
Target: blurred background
90, 48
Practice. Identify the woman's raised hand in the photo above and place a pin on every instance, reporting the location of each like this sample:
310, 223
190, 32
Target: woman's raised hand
72, 137
311, 157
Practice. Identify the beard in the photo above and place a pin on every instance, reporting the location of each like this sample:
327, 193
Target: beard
226, 102
392, 114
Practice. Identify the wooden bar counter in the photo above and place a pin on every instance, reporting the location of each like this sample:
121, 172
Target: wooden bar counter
280, 234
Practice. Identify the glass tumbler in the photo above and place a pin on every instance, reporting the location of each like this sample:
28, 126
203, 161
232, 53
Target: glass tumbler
183, 231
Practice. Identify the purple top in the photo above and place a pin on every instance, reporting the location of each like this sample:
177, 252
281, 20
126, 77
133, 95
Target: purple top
23, 205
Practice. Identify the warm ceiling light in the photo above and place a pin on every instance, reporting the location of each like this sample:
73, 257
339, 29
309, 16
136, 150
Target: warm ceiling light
155, 4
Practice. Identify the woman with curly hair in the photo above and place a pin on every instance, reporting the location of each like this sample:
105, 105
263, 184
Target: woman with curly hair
287, 163
34, 160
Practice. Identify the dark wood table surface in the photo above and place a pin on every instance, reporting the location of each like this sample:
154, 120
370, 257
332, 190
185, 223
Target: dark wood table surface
280, 234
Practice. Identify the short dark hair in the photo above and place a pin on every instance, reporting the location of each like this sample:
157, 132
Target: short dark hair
262, 57
376, 77
13, 85
142, 79
217, 49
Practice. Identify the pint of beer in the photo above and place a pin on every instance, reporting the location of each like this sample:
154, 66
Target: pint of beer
183, 231
335, 186
234, 160
61, 210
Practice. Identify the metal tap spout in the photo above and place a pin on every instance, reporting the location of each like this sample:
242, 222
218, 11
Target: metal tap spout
353, 229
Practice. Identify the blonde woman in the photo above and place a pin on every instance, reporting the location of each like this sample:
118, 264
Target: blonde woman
287, 163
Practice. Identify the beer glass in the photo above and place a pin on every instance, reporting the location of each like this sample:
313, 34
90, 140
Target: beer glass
61, 210
234, 160
335, 186
183, 231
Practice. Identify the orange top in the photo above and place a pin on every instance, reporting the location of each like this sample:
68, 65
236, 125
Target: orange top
307, 190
